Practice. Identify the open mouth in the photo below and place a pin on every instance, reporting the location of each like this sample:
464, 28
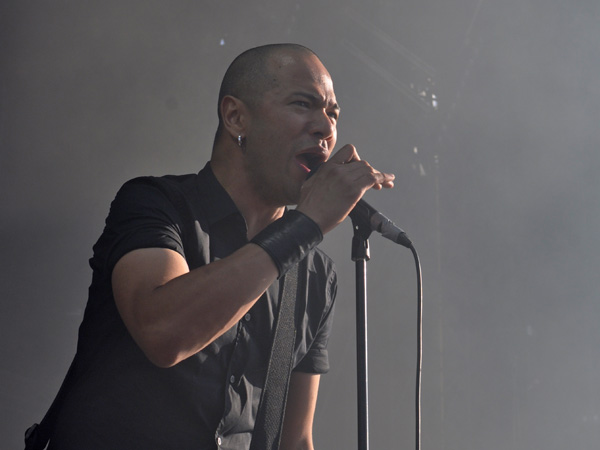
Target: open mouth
310, 160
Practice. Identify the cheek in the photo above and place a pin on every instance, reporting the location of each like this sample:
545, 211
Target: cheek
333, 139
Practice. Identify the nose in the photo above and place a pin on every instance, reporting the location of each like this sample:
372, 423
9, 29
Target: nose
324, 127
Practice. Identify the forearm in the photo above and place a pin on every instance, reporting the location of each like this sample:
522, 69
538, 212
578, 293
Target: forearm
302, 445
188, 310
300, 411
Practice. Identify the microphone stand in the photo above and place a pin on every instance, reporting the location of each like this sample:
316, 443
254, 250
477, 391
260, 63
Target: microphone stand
360, 254
365, 219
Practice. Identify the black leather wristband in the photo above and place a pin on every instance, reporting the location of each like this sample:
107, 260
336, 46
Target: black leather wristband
289, 239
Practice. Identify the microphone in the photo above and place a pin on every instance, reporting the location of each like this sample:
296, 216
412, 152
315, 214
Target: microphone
365, 215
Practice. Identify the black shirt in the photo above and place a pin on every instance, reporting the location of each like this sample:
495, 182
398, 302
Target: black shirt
120, 400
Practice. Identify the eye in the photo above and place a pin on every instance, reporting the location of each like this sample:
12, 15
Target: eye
333, 114
302, 103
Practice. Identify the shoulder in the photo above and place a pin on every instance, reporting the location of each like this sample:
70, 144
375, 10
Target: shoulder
150, 193
153, 185
147, 212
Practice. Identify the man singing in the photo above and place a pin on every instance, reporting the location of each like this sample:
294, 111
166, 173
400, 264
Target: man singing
174, 346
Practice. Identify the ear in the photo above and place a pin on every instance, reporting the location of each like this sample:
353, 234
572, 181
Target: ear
235, 116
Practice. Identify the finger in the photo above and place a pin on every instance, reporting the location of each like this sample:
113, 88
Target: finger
387, 180
384, 185
388, 184
345, 154
364, 171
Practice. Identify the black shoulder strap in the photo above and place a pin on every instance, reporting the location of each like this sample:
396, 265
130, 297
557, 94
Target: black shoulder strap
269, 420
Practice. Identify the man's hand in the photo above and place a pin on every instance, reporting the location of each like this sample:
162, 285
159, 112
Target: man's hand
330, 195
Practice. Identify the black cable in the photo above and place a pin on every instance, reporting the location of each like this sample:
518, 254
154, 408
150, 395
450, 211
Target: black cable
419, 348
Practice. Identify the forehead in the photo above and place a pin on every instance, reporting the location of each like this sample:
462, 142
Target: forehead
299, 71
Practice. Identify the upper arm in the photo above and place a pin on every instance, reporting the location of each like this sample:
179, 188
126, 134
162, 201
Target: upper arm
300, 411
141, 271
135, 278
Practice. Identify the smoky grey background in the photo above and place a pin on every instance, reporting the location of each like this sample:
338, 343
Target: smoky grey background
497, 185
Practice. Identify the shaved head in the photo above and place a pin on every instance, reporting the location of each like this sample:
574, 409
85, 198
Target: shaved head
249, 76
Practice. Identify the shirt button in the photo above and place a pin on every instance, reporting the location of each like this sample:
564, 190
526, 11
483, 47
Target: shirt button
247, 317
232, 379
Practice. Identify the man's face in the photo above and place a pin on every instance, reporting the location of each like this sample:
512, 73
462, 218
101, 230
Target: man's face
292, 129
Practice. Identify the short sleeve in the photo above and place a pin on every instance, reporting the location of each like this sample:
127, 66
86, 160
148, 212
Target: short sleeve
316, 359
141, 216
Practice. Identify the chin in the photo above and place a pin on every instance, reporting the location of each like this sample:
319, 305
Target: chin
292, 197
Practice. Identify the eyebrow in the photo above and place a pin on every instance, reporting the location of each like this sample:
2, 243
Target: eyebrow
315, 98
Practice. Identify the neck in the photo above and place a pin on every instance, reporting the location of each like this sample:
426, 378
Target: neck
256, 211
